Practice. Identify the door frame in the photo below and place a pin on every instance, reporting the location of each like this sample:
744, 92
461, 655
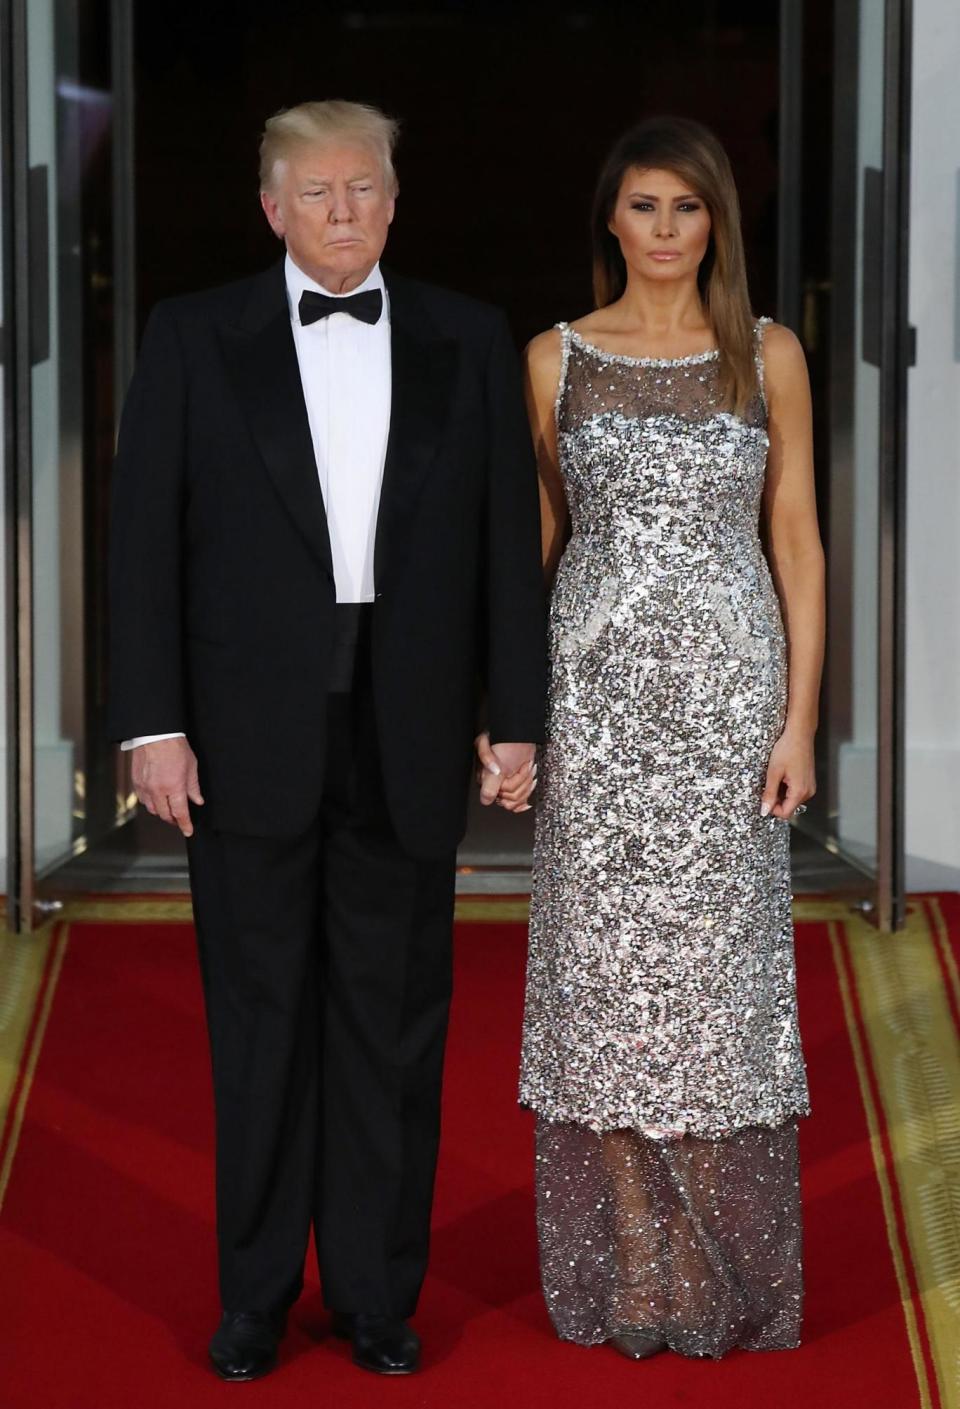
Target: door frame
897, 354
24, 275
18, 485
883, 886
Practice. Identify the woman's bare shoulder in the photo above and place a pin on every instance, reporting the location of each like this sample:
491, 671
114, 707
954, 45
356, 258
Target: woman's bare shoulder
543, 354
597, 321
781, 343
546, 344
784, 360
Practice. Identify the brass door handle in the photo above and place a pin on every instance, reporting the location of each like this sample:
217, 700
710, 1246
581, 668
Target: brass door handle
810, 316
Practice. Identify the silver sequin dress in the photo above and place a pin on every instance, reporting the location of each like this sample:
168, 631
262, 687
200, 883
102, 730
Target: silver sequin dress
661, 1051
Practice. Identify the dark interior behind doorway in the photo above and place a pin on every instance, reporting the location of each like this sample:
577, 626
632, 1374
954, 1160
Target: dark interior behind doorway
507, 110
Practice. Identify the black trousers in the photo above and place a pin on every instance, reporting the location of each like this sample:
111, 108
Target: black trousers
326, 964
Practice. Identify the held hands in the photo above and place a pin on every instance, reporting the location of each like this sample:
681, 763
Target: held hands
507, 773
790, 775
165, 777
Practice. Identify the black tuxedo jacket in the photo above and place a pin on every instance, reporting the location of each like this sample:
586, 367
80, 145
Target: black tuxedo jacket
222, 592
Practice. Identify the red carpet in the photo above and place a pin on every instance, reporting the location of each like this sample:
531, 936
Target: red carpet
108, 1286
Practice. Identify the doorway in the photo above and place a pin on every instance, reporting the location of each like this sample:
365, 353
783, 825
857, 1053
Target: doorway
65, 298
507, 112
850, 75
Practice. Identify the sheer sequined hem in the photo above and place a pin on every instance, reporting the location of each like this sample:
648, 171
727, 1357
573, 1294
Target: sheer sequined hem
691, 1345
706, 1125
695, 1241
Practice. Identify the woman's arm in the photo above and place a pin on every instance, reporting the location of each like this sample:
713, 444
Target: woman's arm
796, 563
541, 380
541, 363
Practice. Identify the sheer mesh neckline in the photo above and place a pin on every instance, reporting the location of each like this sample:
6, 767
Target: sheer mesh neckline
693, 360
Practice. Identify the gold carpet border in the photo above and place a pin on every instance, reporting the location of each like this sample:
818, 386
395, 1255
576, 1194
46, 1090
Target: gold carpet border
946, 950
127, 909
880, 1167
23, 961
915, 1053
491, 909
138, 909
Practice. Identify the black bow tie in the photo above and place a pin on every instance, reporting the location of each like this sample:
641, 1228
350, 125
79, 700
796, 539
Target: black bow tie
366, 306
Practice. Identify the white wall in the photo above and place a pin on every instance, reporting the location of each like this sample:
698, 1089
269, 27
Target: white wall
933, 478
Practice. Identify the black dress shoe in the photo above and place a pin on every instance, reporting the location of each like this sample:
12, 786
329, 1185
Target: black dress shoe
244, 1345
384, 1344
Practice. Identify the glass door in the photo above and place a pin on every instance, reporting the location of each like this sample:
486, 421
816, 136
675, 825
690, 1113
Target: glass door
66, 197
853, 324
71, 141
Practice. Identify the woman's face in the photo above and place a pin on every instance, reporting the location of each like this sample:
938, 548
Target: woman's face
662, 225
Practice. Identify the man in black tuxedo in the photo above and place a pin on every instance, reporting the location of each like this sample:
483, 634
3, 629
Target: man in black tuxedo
325, 543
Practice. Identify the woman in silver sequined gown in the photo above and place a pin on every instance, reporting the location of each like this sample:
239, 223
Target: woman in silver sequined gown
661, 1052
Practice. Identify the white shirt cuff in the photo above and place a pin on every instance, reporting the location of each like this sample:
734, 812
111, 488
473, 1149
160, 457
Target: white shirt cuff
147, 739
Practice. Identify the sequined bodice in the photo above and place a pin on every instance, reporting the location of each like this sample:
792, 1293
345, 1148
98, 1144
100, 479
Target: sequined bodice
690, 450
664, 489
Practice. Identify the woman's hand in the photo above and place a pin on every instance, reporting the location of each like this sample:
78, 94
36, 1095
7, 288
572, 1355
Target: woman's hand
507, 774
791, 777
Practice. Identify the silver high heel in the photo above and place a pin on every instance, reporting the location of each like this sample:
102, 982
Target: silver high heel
637, 1344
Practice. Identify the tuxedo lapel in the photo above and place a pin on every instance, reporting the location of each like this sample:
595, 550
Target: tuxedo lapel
261, 360
423, 374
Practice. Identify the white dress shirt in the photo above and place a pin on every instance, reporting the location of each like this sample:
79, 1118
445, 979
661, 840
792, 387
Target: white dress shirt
345, 371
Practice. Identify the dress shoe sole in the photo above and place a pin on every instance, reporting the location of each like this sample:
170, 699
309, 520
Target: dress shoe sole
375, 1369
636, 1347
243, 1379
343, 1333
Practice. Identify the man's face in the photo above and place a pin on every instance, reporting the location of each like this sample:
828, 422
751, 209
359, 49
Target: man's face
331, 205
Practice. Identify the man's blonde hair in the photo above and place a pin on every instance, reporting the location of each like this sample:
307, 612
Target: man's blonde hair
333, 120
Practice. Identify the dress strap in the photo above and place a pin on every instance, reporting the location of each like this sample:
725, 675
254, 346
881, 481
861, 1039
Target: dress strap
758, 328
565, 330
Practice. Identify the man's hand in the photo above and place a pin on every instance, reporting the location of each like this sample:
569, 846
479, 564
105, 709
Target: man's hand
507, 773
165, 777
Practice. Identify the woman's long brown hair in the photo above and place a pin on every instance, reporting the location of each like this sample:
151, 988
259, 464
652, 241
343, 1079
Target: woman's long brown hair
693, 153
